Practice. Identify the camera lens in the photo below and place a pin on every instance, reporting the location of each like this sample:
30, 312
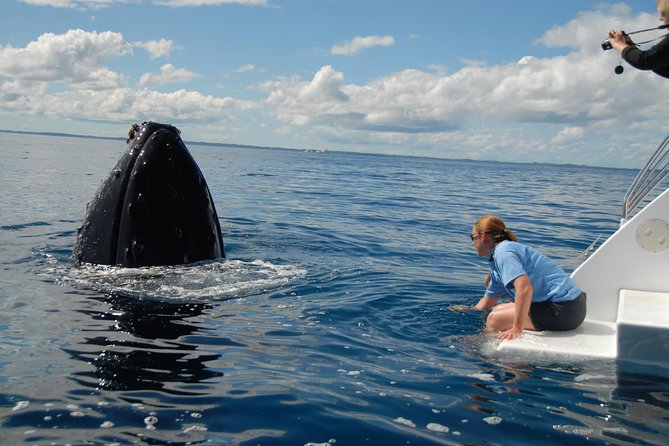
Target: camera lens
606, 45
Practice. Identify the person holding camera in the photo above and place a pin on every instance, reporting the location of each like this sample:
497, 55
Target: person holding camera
656, 58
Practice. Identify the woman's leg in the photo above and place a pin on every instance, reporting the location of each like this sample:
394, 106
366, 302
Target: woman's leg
501, 318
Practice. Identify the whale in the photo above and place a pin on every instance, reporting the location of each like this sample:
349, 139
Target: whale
154, 208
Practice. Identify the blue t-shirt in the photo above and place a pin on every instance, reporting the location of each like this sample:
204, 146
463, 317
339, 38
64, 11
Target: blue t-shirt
511, 260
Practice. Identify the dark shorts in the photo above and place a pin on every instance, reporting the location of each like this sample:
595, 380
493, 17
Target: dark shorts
558, 316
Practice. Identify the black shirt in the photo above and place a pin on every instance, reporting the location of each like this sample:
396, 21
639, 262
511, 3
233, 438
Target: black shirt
655, 58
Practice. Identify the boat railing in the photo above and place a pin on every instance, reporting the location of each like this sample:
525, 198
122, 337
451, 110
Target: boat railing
649, 177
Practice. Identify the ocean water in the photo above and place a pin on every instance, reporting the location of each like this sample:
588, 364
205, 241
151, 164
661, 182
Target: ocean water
329, 322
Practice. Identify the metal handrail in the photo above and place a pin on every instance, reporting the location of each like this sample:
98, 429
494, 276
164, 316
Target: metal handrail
651, 174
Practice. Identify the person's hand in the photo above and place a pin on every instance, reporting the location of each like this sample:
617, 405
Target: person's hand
627, 39
619, 40
510, 334
461, 308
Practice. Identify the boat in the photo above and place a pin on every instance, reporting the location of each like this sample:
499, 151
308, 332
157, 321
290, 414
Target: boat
626, 280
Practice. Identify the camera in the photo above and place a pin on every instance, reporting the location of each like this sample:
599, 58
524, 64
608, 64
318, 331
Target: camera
606, 44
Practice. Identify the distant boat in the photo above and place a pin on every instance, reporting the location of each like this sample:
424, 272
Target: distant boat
324, 150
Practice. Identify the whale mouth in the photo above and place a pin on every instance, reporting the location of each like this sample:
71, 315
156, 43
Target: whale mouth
153, 209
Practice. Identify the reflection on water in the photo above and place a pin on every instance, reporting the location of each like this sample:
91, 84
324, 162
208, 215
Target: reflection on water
618, 408
136, 346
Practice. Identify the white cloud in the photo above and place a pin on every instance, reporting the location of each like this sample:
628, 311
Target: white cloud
186, 3
87, 89
304, 102
246, 68
358, 44
439, 69
76, 4
534, 107
569, 134
100, 4
169, 74
589, 28
157, 48
127, 104
16, 95
472, 62
74, 58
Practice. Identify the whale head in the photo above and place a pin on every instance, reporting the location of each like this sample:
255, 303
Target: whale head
154, 208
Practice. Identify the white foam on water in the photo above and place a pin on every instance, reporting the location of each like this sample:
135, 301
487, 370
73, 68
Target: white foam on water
20, 405
436, 427
404, 421
199, 282
492, 420
483, 376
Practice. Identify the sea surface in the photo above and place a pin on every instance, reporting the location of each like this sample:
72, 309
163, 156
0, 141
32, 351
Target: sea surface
328, 323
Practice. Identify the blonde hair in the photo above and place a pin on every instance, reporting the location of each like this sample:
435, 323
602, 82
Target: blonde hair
494, 225
662, 7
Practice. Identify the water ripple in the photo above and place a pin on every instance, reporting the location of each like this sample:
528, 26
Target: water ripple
330, 322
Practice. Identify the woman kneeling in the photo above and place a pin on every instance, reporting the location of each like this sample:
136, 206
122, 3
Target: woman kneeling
545, 297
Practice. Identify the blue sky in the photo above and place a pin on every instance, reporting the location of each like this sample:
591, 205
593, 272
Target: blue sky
519, 80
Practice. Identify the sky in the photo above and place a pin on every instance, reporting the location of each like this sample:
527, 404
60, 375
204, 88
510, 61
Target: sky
513, 80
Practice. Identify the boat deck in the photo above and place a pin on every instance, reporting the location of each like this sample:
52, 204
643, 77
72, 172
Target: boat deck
637, 333
595, 339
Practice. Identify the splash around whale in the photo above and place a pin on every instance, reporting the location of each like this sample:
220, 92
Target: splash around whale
153, 209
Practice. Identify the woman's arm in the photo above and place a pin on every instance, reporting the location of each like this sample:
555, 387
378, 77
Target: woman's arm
651, 59
522, 304
485, 303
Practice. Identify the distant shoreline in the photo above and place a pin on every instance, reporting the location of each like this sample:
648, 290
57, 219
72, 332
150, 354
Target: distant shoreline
248, 146
121, 138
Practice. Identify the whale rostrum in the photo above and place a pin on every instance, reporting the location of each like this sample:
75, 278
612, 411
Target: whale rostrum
154, 208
